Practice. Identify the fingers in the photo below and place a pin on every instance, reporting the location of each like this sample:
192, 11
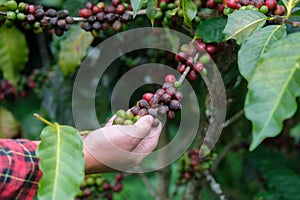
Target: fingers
149, 143
128, 137
110, 121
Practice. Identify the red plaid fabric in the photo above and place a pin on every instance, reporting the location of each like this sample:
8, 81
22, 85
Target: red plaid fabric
19, 172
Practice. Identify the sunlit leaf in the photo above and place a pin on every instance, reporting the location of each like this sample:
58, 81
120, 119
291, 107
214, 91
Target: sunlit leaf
61, 161
9, 126
242, 23
273, 89
74, 49
256, 45
189, 11
14, 53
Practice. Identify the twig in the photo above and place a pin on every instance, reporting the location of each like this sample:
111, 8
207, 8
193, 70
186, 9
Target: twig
222, 155
233, 118
42, 119
281, 19
2, 13
215, 187
145, 179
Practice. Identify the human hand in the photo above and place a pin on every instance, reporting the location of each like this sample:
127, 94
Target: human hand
118, 147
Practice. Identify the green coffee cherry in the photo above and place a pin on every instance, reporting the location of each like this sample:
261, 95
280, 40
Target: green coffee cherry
204, 72
118, 121
36, 25
21, 16
204, 59
163, 5
227, 11
264, 9
128, 115
136, 118
171, 6
22, 6
177, 84
121, 114
11, 15
158, 15
12, 5
128, 122
9, 24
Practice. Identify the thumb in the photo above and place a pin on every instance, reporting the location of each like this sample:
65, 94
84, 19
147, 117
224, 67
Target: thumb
145, 122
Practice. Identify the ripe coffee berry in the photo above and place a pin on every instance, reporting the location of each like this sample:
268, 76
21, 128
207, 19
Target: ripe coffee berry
147, 96
109, 9
120, 9
115, 2
170, 78
271, 4
192, 75
198, 67
117, 25
181, 68
143, 104
211, 49
280, 10
85, 13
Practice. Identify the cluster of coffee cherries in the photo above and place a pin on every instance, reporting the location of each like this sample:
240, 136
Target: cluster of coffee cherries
25, 85
96, 186
170, 14
164, 102
102, 17
191, 165
263, 6
34, 17
195, 55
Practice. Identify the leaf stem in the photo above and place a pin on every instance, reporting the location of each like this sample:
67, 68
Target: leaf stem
42, 119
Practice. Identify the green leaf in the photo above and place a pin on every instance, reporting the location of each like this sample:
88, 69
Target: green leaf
9, 126
151, 10
189, 11
137, 5
295, 132
61, 161
281, 179
74, 49
14, 53
211, 30
242, 23
256, 45
273, 88
289, 4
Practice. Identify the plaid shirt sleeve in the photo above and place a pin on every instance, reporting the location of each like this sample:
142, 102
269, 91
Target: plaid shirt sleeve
19, 172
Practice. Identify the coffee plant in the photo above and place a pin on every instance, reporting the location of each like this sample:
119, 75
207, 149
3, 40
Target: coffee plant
255, 45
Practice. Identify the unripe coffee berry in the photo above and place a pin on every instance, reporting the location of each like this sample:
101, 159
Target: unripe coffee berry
12, 5
11, 15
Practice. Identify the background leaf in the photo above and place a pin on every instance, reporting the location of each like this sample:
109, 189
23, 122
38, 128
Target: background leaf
282, 181
14, 53
189, 11
273, 88
137, 5
74, 49
289, 4
242, 23
211, 30
295, 132
9, 126
256, 45
151, 10
61, 161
